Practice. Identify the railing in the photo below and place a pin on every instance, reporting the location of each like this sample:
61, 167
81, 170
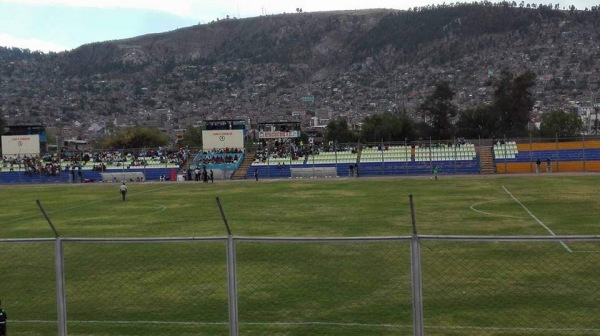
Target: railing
405, 285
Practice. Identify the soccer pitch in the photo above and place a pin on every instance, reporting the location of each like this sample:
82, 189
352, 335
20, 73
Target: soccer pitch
491, 288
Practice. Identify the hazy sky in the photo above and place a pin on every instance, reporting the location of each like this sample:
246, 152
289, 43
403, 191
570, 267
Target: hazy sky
56, 25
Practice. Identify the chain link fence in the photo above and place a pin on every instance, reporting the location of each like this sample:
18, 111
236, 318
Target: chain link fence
146, 288
324, 288
518, 287
421, 285
28, 286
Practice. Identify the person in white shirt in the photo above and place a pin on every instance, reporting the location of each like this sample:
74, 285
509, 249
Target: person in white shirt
123, 190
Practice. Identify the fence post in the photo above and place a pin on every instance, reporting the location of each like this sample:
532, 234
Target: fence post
505, 155
61, 302
231, 276
313, 164
583, 144
417, 285
335, 150
455, 156
430, 156
382, 159
232, 287
408, 155
557, 153
532, 162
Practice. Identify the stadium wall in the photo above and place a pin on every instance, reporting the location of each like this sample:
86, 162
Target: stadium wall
87, 175
572, 156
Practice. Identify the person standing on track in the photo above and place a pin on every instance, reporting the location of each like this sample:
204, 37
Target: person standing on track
123, 190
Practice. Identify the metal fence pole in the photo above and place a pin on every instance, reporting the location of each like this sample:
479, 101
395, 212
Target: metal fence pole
505, 155
531, 154
415, 254
455, 156
407, 156
61, 301
232, 287
231, 276
335, 152
557, 154
415, 270
583, 145
382, 159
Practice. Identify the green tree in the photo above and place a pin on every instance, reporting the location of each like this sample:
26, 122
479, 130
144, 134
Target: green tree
513, 101
439, 111
2, 126
477, 122
303, 138
339, 130
135, 137
387, 127
192, 137
561, 123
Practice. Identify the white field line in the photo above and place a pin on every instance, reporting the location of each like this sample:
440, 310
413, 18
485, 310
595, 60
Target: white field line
362, 325
79, 206
367, 325
513, 329
536, 219
473, 207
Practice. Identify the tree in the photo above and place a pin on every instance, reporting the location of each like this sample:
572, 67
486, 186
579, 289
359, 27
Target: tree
338, 130
439, 111
387, 127
2, 126
481, 122
561, 124
192, 137
136, 137
304, 137
513, 101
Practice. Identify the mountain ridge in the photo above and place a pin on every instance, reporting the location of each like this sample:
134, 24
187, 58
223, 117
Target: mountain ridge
351, 64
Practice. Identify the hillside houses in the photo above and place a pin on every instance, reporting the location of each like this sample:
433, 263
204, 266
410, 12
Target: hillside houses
564, 54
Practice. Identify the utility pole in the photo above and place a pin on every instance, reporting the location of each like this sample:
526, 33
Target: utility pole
595, 129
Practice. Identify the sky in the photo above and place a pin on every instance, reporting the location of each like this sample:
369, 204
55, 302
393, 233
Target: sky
58, 25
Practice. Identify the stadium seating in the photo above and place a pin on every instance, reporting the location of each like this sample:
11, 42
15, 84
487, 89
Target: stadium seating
377, 161
564, 157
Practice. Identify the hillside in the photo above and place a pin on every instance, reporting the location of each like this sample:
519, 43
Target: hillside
351, 63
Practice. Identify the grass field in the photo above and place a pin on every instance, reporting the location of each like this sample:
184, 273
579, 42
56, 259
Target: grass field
470, 288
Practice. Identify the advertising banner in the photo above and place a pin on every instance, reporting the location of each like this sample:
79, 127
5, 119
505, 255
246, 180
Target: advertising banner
278, 135
20, 145
220, 139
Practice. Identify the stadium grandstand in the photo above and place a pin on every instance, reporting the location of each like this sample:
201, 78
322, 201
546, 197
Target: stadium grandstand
459, 156
563, 156
223, 150
281, 153
283, 159
84, 166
